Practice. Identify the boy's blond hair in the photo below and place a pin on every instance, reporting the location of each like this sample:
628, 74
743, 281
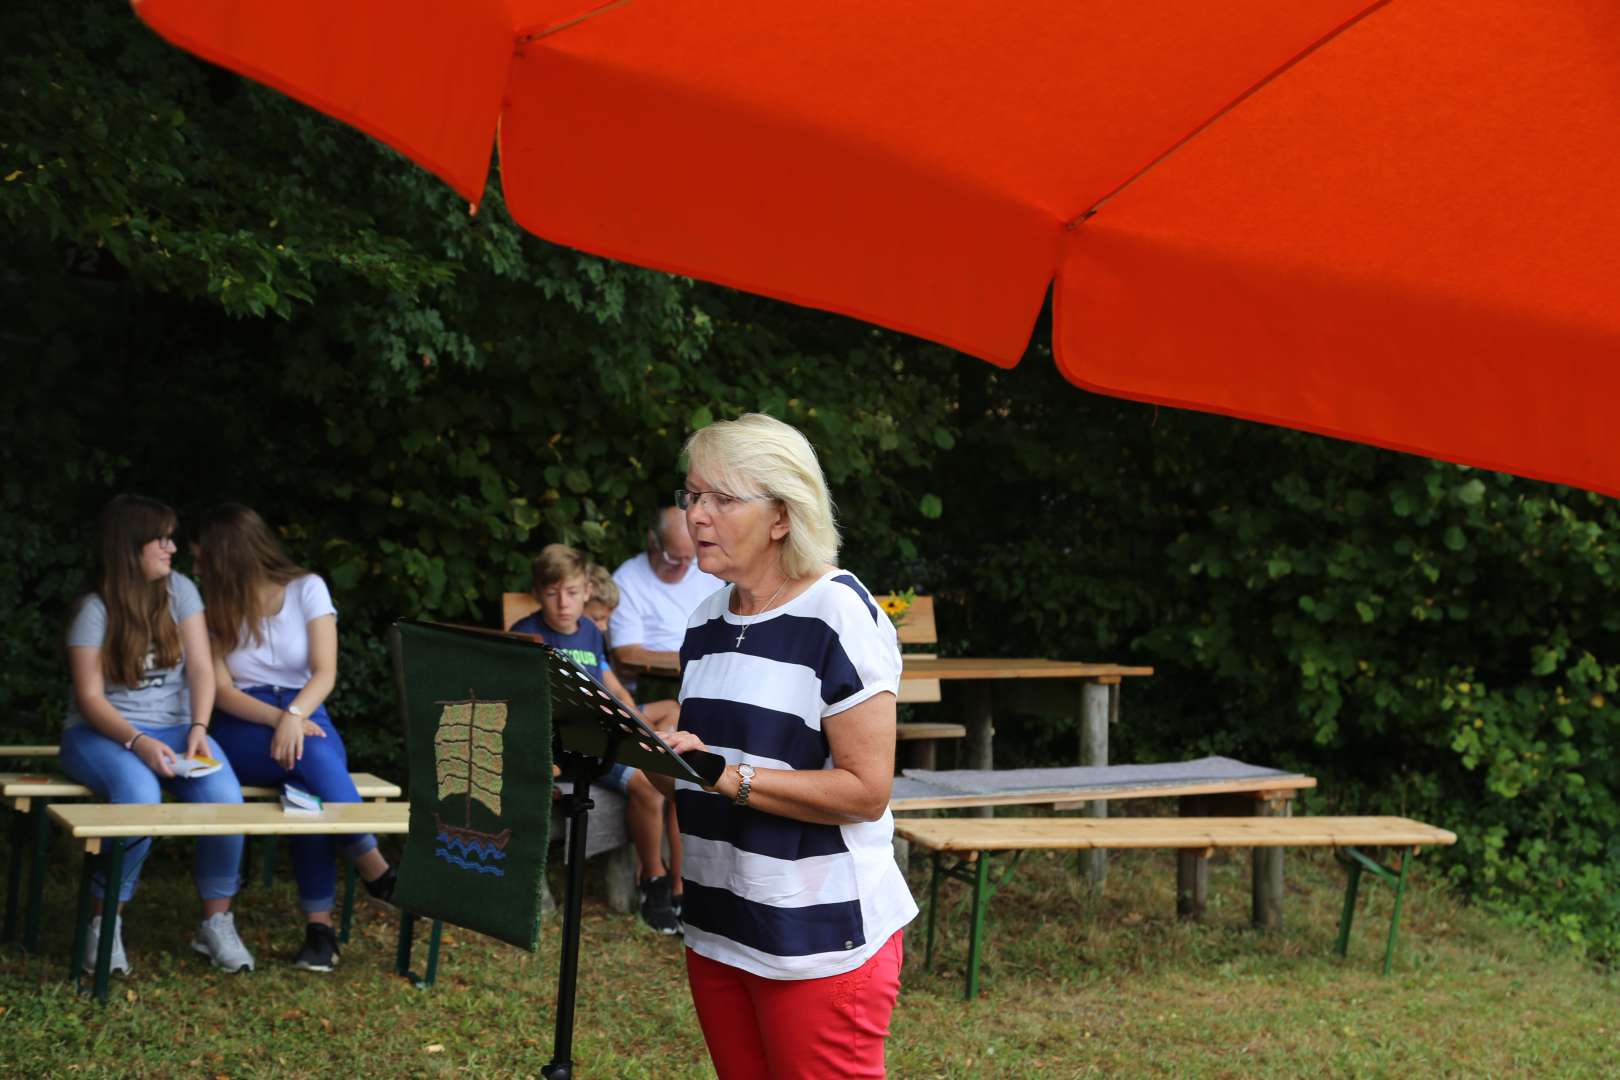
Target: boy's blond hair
556, 562
604, 590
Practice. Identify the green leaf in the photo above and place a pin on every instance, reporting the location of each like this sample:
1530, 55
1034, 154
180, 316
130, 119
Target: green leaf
1472, 493
930, 506
1454, 538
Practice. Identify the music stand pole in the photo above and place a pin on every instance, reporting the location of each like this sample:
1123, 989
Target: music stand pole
576, 808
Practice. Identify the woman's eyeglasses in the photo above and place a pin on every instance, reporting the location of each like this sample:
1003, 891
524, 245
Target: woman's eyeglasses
717, 501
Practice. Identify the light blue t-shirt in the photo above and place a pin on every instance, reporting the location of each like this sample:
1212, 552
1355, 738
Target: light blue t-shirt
161, 697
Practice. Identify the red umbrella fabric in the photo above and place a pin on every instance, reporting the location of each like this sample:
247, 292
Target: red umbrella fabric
1393, 222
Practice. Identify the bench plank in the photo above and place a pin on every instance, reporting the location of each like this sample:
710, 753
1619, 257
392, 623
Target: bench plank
1015, 834
25, 785
919, 729
28, 751
95, 821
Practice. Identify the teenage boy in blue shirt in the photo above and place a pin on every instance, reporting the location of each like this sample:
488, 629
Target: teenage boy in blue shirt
562, 588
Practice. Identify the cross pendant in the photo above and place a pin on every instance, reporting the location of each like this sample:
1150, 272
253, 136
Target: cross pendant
740, 634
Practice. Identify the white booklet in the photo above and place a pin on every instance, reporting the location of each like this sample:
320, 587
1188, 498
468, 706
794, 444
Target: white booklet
193, 768
296, 800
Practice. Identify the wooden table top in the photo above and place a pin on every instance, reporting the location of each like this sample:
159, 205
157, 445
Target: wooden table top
90, 821
1068, 833
1071, 797
968, 667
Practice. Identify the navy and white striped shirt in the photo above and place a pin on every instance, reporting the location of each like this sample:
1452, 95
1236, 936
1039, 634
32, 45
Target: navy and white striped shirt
780, 898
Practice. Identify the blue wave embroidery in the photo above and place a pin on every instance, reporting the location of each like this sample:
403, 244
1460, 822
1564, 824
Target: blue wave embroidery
471, 847
465, 865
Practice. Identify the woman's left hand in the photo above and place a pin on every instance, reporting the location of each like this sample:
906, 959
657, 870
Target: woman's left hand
197, 741
681, 741
312, 730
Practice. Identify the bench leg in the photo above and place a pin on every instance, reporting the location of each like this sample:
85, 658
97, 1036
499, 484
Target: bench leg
109, 919
402, 954
981, 890
933, 911
433, 953
81, 923
19, 837
920, 754
36, 876
1351, 886
1395, 916
348, 903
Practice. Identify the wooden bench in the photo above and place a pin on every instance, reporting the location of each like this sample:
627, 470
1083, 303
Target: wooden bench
29, 795
103, 828
920, 739
27, 751
972, 841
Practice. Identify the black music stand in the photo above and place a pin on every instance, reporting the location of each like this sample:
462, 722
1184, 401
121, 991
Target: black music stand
593, 729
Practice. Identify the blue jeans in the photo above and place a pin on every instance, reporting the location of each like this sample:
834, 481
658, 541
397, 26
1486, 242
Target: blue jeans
118, 776
322, 771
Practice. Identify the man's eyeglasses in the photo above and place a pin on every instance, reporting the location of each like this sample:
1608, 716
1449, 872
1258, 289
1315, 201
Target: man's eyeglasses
663, 552
717, 501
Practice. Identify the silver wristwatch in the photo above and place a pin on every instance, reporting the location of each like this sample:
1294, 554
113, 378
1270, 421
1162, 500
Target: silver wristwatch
745, 785
295, 710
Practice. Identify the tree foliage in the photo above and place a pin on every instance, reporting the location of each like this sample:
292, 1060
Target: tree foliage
213, 293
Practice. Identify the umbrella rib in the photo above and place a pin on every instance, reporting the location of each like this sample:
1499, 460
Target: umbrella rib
1266, 80
526, 36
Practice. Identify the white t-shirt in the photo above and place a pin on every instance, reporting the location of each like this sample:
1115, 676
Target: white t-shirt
652, 613
777, 897
282, 659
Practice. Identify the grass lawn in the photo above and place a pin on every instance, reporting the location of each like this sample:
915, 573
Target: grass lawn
1073, 986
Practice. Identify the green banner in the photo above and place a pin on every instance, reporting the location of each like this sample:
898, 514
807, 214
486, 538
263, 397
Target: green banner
477, 714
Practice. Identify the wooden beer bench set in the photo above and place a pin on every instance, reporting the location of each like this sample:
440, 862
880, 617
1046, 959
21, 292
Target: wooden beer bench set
1223, 804
36, 800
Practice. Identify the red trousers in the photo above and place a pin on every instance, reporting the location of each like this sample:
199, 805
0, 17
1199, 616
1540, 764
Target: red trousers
796, 1029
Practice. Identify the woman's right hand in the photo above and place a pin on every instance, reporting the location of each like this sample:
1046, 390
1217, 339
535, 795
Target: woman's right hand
155, 755
287, 744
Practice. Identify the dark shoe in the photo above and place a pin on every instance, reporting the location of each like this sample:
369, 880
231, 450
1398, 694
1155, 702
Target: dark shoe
657, 910
320, 951
382, 886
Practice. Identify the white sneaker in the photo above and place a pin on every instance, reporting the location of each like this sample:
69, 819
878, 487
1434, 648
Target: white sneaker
120, 963
216, 939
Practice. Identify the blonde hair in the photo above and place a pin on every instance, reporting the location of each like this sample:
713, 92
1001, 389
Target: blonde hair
759, 455
556, 562
604, 590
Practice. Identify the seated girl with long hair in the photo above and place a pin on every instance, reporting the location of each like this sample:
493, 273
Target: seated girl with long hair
143, 689
274, 632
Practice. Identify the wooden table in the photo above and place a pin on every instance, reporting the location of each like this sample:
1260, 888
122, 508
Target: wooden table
1099, 704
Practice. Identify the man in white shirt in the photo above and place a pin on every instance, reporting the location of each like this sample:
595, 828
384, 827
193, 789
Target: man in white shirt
658, 591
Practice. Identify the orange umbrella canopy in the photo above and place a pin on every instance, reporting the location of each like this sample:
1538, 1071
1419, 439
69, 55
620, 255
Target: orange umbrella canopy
1393, 222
